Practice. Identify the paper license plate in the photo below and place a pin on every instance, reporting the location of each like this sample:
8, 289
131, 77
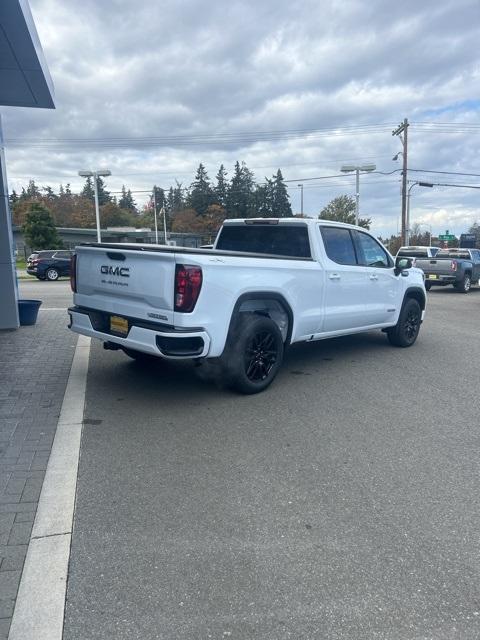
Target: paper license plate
431, 277
119, 325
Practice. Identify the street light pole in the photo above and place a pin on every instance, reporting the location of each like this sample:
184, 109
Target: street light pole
95, 175
97, 208
155, 213
301, 199
349, 168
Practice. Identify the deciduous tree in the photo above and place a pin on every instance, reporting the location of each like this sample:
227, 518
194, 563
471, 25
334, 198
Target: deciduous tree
342, 209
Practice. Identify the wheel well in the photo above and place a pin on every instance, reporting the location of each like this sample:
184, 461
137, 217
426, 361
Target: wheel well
417, 295
270, 305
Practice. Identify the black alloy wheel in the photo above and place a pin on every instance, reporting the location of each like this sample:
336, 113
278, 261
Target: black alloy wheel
253, 354
260, 355
405, 332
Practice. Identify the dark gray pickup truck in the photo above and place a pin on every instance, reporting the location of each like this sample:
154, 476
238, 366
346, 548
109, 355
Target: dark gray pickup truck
459, 267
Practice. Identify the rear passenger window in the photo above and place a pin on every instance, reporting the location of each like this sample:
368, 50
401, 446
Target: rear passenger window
339, 245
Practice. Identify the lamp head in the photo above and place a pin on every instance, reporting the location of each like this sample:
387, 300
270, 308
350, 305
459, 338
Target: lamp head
85, 174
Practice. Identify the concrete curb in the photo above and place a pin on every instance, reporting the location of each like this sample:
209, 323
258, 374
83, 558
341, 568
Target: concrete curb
40, 605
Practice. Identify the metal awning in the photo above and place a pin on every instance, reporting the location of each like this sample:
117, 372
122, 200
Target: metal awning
24, 77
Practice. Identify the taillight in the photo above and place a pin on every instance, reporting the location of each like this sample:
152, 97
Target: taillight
454, 265
73, 273
188, 282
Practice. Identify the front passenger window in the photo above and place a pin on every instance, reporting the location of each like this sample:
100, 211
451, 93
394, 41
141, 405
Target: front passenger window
374, 254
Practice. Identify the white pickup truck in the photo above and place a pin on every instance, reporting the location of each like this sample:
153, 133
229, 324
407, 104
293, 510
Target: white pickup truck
265, 284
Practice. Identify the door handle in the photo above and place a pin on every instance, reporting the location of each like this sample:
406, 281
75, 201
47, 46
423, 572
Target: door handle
334, 276
373, 276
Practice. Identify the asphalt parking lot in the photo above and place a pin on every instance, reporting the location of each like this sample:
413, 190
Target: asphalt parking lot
341, 503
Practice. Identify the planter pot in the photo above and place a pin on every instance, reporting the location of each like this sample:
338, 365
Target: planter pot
28, 311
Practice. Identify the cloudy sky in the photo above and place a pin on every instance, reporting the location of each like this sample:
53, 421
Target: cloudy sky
149, 89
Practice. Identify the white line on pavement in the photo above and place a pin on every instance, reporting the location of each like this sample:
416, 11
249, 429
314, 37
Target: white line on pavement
40, 605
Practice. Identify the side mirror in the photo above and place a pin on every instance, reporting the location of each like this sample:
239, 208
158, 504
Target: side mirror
401, 264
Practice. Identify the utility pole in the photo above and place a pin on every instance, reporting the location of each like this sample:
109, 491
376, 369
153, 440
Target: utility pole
403, 128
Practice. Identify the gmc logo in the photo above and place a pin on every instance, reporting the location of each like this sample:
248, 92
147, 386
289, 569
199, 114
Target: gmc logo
115, 271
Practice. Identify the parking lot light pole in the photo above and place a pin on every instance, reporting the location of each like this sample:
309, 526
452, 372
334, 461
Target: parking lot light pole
407, 228
301, 199
350, 168
95, 175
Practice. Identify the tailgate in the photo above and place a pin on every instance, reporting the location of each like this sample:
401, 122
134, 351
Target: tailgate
129, 282
432, 265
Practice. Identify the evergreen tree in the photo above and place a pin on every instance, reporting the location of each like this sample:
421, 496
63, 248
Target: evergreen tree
13, 197
68, 191
342, 209
87, 191
264, 199
32, 192
126, 201
240, 197
281, 207
104, 196
49, 193
222, 186
201, 194
39, 228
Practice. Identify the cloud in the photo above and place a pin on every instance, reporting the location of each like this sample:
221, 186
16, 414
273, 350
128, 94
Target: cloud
146, 69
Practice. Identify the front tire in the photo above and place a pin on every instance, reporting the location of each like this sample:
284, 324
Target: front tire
428, 286
52, 274
253, 354
465, 285
405, 332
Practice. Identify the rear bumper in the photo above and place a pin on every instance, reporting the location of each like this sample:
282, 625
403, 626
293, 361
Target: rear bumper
438, 278
158, 340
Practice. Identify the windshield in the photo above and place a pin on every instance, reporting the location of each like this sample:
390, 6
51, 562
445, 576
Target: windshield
450, 253
414, 252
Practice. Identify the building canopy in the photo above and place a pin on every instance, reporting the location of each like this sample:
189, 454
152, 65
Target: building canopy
24, 77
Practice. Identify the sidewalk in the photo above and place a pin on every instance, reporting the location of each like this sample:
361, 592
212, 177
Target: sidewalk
34, 367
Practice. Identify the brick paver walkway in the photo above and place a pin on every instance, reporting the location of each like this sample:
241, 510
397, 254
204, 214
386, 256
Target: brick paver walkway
34, 366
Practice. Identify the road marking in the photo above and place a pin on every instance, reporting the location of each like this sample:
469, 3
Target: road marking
53, 309
40, 605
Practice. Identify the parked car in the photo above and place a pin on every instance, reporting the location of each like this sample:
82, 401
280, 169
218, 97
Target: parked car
266, 284
459, 267
49, 265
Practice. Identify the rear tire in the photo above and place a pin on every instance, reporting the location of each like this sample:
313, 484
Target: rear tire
52, 274
253, 354
405, 332
465, 285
